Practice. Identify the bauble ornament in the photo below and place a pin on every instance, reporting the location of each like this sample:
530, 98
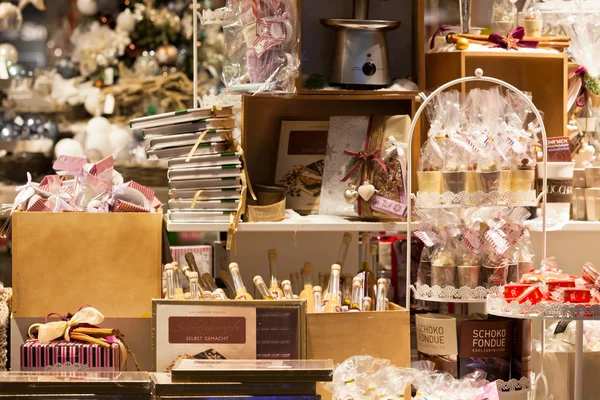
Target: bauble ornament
166, 55
120, 138
462, 43
146, 65
98, 142
126, 21
98, 126
366, 190
8, 53
11, 18
108, 7
68, 147
87, 7
92, 103
351, 194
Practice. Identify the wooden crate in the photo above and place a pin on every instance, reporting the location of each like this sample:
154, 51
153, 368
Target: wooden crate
542, 74
262, 116
339, 336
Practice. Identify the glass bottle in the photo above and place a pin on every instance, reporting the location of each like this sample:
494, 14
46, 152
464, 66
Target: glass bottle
369, 277
170, 280
295, 280
178, 288
366, 303
317, 299
307, 292
219, 294
259, 283
209, 282
355, 304
194, 287
207, 295
504, 17
240, 290
373, 257
333, 298
381, 295
186, 270
347, 292
274, 288
343, 250
287, 290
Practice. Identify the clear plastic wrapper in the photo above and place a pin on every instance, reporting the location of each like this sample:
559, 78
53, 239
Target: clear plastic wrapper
261, 39
561, 338
391, 183
504, 17
445, 253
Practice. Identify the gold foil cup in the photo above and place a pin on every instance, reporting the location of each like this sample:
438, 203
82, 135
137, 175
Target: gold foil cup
505, 181
468, 275
494, 275
579, 178
578, 206
429, 181
471, 182
488, 182
454, 182
592, 177
443, 275
522, 179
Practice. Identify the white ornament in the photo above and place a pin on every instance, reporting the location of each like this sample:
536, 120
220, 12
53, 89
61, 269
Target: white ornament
126, 21
87, 7
366, 191
68, 147
92, 103
98, 126
98, 143
9, 53
120, 138
11, 18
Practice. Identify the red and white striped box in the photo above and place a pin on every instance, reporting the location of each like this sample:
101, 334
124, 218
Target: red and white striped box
70, 356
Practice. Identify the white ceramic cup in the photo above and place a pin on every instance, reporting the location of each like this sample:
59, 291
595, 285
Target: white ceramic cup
560, 188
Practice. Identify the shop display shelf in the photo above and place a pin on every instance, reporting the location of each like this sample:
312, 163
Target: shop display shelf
496, 305
312, 223
450, 294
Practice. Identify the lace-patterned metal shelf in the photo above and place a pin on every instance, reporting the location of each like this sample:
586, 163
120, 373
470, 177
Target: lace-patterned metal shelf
477, 199
496, 305
451, 294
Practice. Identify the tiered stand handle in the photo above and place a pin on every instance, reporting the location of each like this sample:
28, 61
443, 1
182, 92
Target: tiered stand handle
478, 77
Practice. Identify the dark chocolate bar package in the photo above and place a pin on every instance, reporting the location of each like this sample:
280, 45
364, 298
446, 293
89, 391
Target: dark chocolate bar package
486, 346
521, 359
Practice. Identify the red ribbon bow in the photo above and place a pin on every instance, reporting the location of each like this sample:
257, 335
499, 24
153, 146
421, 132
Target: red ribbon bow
361, 158
513, 40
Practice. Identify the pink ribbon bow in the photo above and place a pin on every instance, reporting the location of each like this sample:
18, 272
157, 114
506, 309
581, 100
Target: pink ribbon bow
363, 157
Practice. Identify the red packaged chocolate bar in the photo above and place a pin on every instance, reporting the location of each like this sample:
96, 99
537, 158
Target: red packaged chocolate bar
514, 290
532, 294
560, 283
576, 295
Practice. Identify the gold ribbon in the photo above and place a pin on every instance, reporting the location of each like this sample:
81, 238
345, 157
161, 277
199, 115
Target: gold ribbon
235, 217
238, 148
197, 197
195, 147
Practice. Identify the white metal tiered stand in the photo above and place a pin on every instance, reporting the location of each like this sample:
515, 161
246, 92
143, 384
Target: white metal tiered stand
480, 78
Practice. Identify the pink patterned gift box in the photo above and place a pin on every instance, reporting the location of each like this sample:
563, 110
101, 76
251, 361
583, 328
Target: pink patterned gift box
70, 356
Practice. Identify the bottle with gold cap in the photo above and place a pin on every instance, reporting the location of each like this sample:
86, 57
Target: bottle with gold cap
274, 288
368, 276
333, 298
209, 282
287, 290
226, 279
355, 304
307, 292
295, 280
240, 290
317, 299
259, 283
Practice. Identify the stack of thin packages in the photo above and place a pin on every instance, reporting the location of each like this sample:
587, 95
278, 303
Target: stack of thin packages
204, 168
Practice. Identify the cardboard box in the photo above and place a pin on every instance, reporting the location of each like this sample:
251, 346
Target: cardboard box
339, 336
61, 261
